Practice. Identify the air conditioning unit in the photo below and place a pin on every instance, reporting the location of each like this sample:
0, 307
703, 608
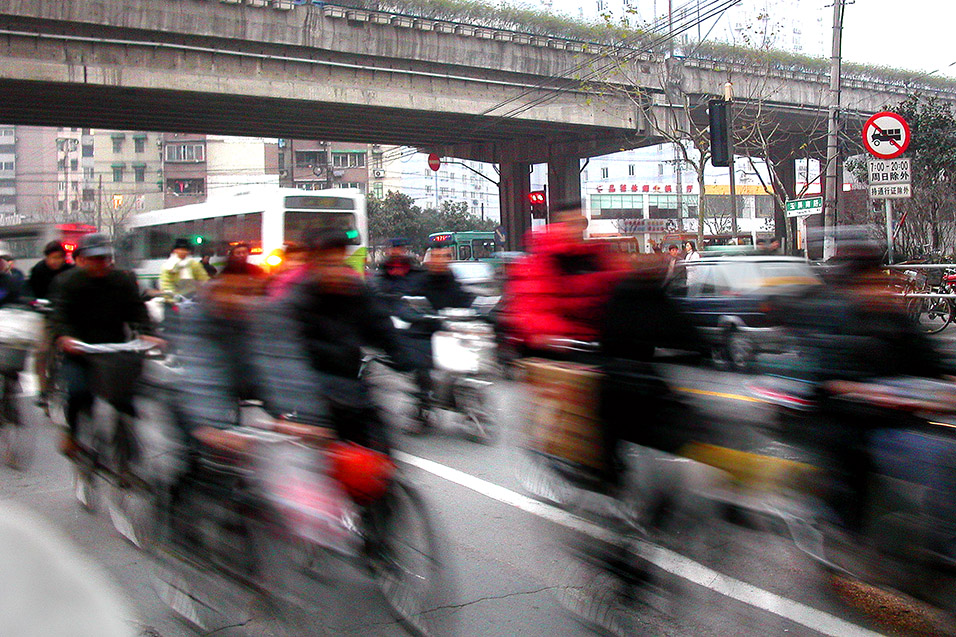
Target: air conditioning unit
378, 173
283, 174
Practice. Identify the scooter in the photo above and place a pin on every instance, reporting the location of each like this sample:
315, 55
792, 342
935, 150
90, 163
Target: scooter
463, 355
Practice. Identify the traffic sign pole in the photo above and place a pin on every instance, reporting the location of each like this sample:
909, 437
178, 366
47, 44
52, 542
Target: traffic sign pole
889, 230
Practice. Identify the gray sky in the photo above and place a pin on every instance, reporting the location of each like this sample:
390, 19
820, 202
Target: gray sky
910, 34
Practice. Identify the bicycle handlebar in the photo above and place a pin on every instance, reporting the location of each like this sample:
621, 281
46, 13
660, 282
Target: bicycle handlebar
113, 348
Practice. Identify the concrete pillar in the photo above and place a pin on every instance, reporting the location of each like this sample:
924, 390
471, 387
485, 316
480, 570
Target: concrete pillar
786, 172
513, 189
564, 179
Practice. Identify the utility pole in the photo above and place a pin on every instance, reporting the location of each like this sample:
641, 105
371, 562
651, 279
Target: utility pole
833, 124
729, 98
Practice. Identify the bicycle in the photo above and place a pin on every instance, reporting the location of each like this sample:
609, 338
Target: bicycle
263, 526
18, 333
930, 314
112, 453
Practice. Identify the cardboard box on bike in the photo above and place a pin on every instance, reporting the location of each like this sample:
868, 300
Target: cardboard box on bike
564, 410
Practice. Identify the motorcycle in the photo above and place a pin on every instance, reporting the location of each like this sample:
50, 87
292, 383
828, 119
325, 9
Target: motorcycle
903, 538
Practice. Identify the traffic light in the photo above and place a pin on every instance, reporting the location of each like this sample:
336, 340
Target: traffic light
719, 112
538, 202
197, 240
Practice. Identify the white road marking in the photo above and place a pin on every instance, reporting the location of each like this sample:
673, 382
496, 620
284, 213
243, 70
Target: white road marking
665, 559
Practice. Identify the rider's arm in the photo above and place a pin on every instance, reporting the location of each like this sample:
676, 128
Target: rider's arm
167, 280
199, 272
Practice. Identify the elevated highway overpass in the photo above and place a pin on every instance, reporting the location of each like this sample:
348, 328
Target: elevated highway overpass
277, 68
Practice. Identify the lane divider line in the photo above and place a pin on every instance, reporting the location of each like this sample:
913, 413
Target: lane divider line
720, 394
663, 558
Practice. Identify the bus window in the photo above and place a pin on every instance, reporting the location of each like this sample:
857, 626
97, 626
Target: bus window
483, 248
243, 228
298, 222
464, 252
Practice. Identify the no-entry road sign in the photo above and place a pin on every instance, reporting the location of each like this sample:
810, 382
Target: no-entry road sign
434, 161
886, 135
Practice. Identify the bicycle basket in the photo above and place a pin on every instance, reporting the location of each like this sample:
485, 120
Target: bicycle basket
114, 376
13, 359
20, 327
934, 278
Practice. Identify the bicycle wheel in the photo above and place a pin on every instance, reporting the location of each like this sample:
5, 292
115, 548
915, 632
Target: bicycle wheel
16, 439
402, 554
932, 314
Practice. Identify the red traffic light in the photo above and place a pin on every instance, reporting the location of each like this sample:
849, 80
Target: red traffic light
536, 197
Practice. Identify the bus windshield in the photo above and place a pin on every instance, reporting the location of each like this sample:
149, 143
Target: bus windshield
298, 222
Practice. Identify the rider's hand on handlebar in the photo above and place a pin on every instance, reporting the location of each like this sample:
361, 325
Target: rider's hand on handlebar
157, 342
69, 345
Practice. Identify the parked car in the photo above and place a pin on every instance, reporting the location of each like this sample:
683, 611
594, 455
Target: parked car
731, 298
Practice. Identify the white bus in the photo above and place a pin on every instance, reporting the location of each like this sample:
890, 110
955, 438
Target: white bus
267, 218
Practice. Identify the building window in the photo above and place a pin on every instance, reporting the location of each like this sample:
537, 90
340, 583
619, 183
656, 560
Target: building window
117, 173
660, 170
630, 169
61, 186
61, 164
139, 173
348, 160
6, 132
87, 173
377, 161
604, 173
186, 186
117, 145
6, 165
87, 150
280, 161
89, 194
185, 153
308, 158
379, 190
74, 164
139, 145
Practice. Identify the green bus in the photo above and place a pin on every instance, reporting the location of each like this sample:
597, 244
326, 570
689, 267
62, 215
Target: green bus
467, 246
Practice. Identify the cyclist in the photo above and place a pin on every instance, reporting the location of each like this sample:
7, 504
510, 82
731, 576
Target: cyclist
93, 303
38, 285
560, 289
335, 315
181, 273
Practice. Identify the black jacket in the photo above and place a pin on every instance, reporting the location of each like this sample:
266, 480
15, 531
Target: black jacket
335, 325
97, 309
40, 278
11, 286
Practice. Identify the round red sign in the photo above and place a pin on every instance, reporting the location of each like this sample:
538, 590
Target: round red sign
434, 161
886, 135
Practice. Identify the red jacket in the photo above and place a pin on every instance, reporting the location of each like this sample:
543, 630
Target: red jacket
561, 288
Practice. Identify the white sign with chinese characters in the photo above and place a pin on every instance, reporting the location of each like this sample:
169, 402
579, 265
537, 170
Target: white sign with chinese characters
891, 191
890, 178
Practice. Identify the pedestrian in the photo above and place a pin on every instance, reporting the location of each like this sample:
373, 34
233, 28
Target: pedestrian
674, 266
691, 255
